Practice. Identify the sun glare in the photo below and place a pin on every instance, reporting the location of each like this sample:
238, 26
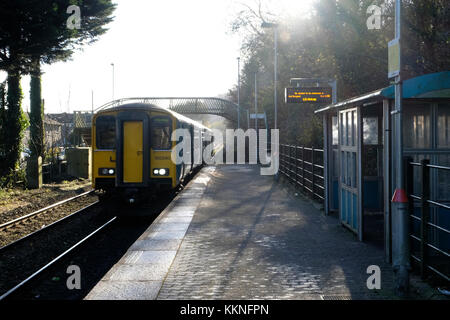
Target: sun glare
294, 8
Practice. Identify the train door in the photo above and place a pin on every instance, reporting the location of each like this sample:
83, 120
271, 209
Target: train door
192, 132
133, 154
350, 173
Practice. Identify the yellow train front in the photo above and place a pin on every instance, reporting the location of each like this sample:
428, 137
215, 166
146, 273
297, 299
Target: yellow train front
132, 147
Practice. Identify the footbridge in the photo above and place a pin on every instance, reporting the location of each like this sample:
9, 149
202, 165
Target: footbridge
183, 105
190, 105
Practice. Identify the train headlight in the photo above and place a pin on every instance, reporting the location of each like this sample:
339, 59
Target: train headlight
106, 171
161, 172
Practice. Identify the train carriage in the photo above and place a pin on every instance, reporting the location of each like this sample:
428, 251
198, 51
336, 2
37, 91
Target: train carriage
132, 148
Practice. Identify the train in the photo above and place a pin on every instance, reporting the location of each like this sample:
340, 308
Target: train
132, 150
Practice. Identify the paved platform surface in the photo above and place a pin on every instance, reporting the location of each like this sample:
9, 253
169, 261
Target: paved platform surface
234, 234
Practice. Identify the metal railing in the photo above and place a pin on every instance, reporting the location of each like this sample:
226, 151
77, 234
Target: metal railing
303, 166
430, 256
187, 105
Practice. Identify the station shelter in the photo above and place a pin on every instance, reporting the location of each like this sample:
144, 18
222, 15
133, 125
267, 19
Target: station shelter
359, 156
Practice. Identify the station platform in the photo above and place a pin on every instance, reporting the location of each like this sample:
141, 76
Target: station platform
235, 234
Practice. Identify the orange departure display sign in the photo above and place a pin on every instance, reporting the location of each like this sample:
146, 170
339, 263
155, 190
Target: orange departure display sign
320, 95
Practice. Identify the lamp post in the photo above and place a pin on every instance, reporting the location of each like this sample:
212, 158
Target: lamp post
112, 64
274, 26
256, 103
256, 115
400, 241
239, 92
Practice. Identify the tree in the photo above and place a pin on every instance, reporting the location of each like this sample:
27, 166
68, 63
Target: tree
37, 135
14, 126
34, 32
334, 42
2, 121
427, 35
50, 46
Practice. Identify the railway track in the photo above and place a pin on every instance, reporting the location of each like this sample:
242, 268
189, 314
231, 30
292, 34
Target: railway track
48, 227
40, 211
57, 259
100, 246
43, 242
29, 265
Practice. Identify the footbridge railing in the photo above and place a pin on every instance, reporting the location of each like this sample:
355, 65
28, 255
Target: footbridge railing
189, 105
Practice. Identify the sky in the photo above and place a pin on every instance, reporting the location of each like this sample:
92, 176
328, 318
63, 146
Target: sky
159, 48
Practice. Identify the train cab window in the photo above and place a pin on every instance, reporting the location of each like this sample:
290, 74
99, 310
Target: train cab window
161, 129
106, 132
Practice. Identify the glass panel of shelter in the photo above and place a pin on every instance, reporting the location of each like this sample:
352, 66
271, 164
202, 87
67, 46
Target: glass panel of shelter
372, 172
372, 158
335, 161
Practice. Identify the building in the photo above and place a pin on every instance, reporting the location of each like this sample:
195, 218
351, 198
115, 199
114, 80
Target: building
360, 168
53, 133
67, 122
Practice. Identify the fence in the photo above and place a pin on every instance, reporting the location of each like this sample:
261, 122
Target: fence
53, 170
429, 249
304, 167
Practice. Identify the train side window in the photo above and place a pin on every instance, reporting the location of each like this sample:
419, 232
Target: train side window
161, 129
106, 132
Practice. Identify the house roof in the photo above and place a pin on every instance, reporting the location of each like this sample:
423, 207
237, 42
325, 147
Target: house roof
63, 118
47, 120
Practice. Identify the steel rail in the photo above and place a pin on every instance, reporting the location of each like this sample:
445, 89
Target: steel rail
58, 258
47, 227
30, 215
